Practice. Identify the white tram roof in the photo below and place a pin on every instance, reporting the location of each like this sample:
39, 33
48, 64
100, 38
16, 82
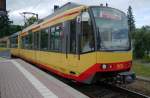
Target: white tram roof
61, 9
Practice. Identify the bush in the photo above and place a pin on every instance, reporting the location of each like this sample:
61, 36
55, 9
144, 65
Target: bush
141, 42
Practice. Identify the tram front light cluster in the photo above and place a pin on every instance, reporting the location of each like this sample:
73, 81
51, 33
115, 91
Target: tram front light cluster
105, 66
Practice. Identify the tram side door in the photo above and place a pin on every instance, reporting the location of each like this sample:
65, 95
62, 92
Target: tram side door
85, 43
79, 44
78, 47
69, 46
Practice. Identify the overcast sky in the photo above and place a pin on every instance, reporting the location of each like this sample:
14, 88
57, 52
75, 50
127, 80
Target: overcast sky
141, 8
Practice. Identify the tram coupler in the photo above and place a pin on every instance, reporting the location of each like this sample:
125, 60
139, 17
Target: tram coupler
126, 77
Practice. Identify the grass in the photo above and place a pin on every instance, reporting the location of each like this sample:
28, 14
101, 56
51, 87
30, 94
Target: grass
1, 59
141, 68
2, 49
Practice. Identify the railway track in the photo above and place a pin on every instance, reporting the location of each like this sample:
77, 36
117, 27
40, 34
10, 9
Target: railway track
133, 94
108, 91
129, 93
143, 79
101, 90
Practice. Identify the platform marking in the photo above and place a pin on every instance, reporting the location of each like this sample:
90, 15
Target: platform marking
43, 90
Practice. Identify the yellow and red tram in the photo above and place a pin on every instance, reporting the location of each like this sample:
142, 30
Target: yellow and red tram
78, 42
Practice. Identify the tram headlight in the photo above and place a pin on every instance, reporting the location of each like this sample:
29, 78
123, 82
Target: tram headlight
104, 66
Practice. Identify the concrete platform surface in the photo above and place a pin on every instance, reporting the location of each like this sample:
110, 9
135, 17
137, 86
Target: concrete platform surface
19, 79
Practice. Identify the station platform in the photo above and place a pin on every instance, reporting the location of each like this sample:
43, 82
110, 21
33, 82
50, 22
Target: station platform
19, 79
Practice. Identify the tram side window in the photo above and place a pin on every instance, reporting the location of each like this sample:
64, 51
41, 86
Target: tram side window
56, 38
73, 36
3, 44
52, 45
30, 44
44, 39
14, 42
36, 40
87, 34
25, 42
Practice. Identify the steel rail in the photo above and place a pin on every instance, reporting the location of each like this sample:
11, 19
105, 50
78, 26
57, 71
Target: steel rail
132, 93
126, 91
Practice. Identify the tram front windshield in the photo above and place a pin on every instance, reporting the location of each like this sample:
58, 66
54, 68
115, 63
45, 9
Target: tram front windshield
113, 29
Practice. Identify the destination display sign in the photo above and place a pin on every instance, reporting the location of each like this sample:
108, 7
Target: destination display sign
109, 15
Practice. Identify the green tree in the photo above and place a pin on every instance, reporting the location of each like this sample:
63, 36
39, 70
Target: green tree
4, 25
138, 44
31, 20
15, 28
141, 42
146, 40
131, 21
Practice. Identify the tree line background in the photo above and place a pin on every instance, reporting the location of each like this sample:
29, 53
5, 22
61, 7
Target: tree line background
6, 26
140, 36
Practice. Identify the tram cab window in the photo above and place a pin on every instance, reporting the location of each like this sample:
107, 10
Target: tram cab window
44, 39
87, 34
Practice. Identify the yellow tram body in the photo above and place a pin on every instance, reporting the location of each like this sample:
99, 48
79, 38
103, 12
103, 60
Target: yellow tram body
73, 66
